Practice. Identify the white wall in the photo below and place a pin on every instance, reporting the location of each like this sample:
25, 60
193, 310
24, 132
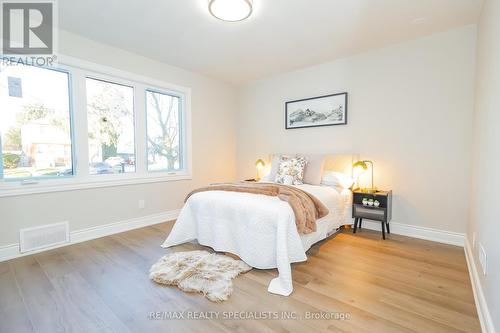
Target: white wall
485, 210
213, 135
410, 111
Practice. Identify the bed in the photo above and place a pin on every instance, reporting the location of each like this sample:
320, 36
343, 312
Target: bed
260, 229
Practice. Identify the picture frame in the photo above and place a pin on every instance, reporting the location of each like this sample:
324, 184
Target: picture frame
326, 110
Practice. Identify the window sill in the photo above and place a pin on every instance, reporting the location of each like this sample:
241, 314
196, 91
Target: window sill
14, 188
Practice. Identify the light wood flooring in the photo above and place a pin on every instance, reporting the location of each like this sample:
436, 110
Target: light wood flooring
398, 285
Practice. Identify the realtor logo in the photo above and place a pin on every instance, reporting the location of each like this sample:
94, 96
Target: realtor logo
28, 28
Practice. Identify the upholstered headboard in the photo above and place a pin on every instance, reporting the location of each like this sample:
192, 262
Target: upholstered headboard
341, 162
333, 162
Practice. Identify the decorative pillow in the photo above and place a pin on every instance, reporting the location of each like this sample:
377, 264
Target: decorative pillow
314, 169
275, 164
293, 167
338, 179
288, 180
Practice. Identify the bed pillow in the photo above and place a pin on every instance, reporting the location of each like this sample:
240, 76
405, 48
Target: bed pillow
314, 169
291, 167
337, 179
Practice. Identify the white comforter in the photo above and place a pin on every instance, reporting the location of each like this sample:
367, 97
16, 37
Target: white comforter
259, 229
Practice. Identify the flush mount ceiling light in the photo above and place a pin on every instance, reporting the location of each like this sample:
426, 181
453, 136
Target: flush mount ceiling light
230, 10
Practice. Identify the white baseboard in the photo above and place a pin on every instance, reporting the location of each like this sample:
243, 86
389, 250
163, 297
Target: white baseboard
482, 307
12, 251
8, 252
436, 235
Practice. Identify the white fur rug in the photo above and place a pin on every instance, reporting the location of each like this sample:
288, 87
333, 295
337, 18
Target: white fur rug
199, 271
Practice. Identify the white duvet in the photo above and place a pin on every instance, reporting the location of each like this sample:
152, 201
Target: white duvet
259, 229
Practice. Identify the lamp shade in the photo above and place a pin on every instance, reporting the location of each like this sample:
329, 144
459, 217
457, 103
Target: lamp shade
360, 165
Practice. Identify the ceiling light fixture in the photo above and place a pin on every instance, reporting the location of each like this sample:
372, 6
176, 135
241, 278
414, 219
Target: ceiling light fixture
230, 10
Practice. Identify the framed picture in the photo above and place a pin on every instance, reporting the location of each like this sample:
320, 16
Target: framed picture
316, 111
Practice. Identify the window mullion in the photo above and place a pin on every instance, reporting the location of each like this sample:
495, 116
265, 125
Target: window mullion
187, 133
80, 123
140, 128
1, 159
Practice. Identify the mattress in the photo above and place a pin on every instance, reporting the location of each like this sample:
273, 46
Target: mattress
338, 202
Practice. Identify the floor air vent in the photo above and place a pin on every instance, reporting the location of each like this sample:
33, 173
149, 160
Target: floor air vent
31, 239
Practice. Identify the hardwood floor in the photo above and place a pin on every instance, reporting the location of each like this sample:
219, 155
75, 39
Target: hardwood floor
398, 285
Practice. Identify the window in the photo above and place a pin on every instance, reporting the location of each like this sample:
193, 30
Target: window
35, 123
164, 131
110, 117
69, 128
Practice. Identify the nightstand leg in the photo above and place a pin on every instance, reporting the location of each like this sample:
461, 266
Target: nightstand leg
383, 230
355, 225
387, 225
360, 223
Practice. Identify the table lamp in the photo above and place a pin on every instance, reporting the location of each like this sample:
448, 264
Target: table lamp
259, 165
362, 166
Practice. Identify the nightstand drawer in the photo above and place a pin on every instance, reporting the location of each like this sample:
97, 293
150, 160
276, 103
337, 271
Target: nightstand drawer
369, 213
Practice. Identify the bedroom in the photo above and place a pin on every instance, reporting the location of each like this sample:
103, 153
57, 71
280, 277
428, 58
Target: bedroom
139, 104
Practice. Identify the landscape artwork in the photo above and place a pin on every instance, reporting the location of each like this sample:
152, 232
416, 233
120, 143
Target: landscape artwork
316, 111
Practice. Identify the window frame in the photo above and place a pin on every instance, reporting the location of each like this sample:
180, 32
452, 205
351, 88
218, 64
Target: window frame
63, 70
78, 71
182, 138
125, 83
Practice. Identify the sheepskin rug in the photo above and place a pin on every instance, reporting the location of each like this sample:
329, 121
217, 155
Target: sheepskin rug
199, 271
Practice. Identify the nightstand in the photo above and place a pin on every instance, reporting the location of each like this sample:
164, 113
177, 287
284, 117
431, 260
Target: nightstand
382, 213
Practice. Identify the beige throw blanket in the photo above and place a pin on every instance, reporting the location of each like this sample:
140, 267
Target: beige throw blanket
306, 207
